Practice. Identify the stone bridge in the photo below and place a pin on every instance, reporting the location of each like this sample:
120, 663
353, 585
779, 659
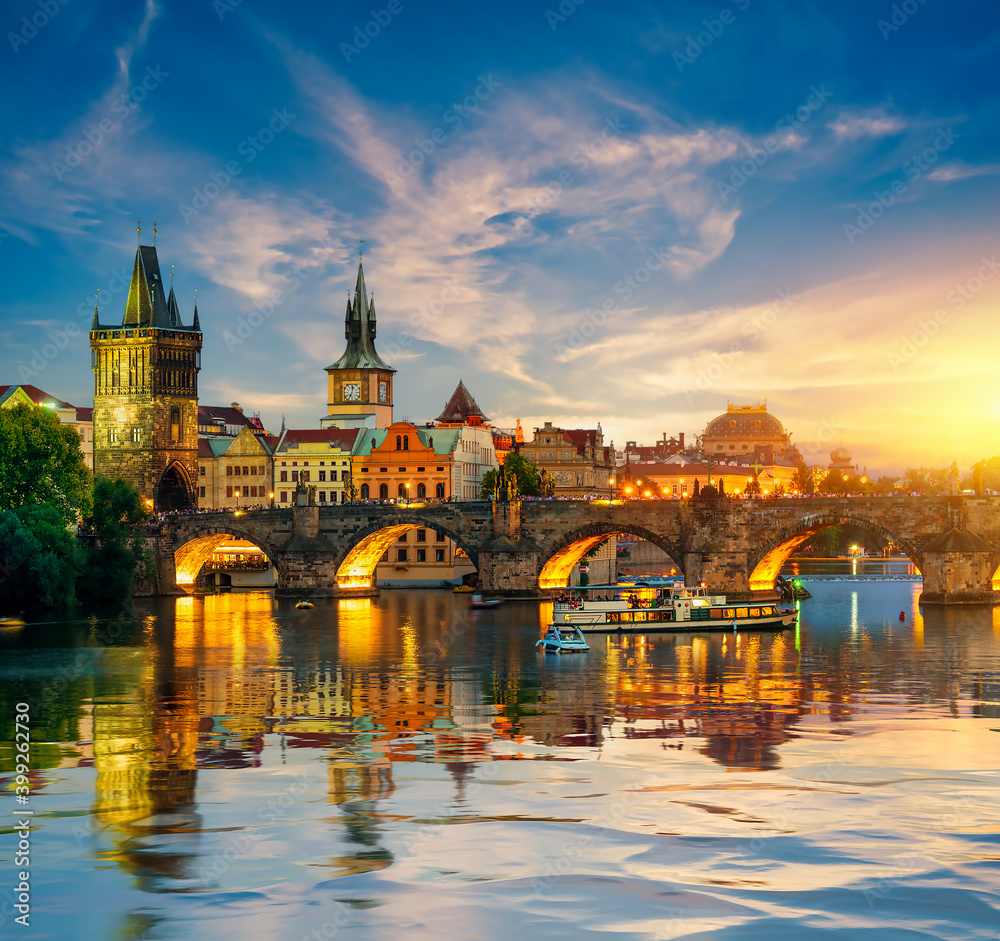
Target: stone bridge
521, 549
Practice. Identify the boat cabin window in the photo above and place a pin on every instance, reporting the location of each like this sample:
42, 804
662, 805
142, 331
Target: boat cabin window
741, 612
730, 612
755, 612
715, 613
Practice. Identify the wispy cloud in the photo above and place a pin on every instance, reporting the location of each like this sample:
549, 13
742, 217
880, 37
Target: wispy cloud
962, 171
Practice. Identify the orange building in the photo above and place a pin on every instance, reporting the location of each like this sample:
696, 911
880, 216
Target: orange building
404, 463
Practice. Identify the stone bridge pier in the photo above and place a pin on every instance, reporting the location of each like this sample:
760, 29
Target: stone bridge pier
524, 548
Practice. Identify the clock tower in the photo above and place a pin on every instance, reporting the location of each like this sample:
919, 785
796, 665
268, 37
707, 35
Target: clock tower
359, 384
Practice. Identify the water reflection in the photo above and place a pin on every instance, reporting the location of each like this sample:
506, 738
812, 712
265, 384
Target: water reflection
202, 696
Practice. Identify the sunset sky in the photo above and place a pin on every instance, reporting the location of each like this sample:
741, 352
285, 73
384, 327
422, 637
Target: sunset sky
790, 201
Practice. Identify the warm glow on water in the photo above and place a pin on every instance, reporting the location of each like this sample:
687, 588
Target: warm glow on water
407, 767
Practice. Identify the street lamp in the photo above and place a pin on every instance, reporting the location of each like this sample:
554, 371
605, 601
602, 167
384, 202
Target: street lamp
407, 494
271, 496
237, 499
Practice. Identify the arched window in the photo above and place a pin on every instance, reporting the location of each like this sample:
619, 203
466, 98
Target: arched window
399, 445
364, 491
421, 492
406, 442
383, 491
439, 491
401, 490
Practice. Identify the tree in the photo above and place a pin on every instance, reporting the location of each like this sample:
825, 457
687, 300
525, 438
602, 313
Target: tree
804, 480
40, 560
528, 480
41, 462
117, 549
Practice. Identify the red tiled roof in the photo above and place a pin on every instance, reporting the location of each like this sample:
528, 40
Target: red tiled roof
460, 407
84, 414
204, 450
581, 437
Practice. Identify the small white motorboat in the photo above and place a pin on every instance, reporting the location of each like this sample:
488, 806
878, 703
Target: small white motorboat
563, 640
478, 601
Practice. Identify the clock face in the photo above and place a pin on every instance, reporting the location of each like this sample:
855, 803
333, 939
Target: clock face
383, 392
352, 391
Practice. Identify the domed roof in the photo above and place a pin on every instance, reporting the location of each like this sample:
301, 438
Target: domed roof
840, 455
744, 422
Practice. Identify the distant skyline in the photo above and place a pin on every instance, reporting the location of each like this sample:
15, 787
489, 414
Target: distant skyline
590, 213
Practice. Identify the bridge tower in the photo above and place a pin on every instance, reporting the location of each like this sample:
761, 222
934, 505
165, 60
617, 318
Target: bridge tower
146, 391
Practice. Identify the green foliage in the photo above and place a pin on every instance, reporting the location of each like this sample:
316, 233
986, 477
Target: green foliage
836, 481
528, 480
115, 551
930, 481
985, 476
41, 462
804, 480
885, 485
40, 560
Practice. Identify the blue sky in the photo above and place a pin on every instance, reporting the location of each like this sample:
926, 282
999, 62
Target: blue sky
625, 213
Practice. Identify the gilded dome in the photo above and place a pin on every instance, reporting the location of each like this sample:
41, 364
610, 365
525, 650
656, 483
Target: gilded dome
744, 423
840, 456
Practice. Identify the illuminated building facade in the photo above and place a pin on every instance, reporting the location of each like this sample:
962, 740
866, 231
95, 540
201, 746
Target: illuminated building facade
145, 415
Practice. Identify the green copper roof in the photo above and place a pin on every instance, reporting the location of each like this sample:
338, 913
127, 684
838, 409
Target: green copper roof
359, 329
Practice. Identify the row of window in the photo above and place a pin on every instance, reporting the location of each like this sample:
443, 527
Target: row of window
419, 493
254, 470
321, 463
422, 536
304, 476
244, 491
402, 555
402, 470
321, 496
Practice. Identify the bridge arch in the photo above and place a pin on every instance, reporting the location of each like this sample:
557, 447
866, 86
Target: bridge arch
765, 563
194, 551
355, 567
572, 547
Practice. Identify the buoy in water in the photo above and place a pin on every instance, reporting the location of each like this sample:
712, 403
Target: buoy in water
902, 615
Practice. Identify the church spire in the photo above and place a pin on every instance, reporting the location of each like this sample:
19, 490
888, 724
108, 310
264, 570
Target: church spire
359, 331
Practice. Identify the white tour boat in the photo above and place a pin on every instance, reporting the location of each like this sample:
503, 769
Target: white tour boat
603, 608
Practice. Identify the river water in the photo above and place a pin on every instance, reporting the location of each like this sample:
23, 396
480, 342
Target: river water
228, 767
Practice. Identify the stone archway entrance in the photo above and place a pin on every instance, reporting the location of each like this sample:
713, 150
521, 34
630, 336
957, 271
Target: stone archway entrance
173, 493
